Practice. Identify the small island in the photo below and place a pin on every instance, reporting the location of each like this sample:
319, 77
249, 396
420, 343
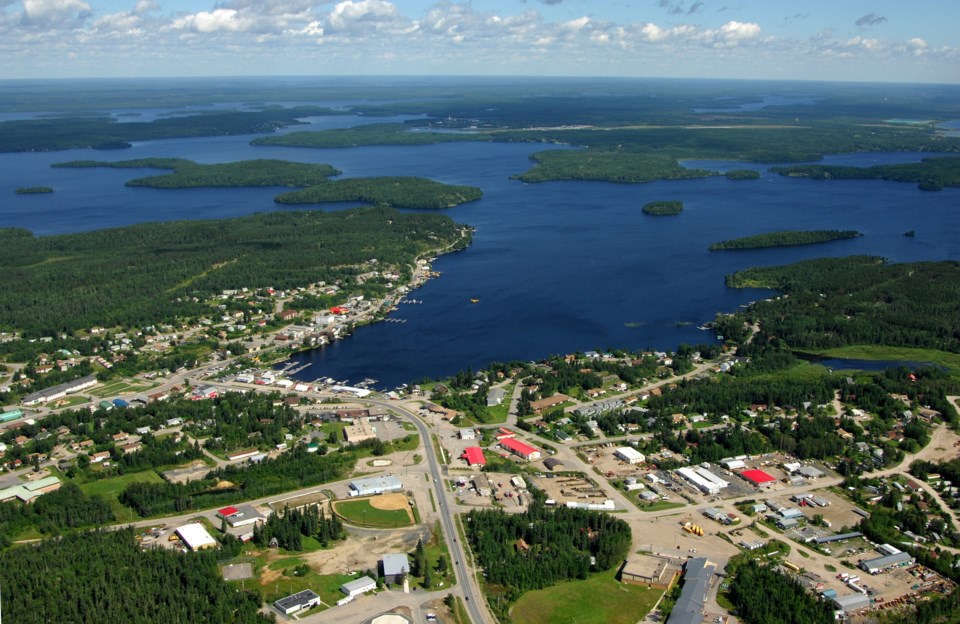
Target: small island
33, 190
663, 208
742, 174
784, 239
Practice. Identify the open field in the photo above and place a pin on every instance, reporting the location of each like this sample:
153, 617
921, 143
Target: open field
601, 599
111, 488
387, 511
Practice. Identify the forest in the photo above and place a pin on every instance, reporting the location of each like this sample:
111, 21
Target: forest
858, 300
104, 577
764, 596
931, 174
663, 208
157, 273
53, 513
543, 546
784, 239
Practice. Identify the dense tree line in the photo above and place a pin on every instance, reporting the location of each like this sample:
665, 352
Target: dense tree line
290, 527
764, 596
663, 208
51, 514
557, 545
607, 167
159, 272
289, 471
105, 578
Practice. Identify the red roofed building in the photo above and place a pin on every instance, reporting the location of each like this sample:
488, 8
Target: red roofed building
474, 456
227, 511
519, 448
758, 478
504, 433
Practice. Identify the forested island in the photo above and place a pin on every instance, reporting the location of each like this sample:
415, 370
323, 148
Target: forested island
33, 190
607, 167
371, 134
931, 174
188, 174
159, 272
398, 192
663, 208
784, 239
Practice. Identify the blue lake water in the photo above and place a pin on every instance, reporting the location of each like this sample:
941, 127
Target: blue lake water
556, 266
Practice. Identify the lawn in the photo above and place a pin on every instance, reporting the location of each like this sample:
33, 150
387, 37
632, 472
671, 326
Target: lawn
111, 488
597, 600
362, 513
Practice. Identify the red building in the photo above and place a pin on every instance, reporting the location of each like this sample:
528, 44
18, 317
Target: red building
519, 448
758, 478
474, 456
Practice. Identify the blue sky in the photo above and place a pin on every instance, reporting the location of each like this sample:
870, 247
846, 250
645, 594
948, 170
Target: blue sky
890, 40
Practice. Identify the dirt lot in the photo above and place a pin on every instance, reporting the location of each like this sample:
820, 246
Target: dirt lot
362, 551
567, 487
194, 471
237, 571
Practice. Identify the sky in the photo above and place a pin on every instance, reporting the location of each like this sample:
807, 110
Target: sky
846, 40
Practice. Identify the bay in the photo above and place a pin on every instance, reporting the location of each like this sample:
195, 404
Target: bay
556, 267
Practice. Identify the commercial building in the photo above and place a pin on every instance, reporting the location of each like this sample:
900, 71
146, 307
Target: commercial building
709, 476
375, 485
359, 431
838, 538
10, 416
758, 478
482, 484
884, 563
733, 464
468, 434
196, 537
629, 455
607, 505
474, 456
360, 586
395, 567
696, 583
519, 448
649, 571
297, 602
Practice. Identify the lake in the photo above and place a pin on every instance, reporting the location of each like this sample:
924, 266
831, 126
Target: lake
557, 267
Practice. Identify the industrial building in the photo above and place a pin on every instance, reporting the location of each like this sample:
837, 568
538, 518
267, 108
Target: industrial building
240, 516
884, 563
360, 586
696, 583
838, 538
758, 478
852, 602
395, 567
705, 486
519, 448
375, 485
196, 537
607, 505
27, 492
58, 392
297, 602
629, 455
468, 434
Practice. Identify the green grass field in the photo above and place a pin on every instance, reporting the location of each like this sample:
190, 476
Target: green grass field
872, 352
111, 488
362, 513
597, 600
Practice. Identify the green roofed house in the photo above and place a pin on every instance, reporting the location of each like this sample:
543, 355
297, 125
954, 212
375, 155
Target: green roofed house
26, 492
10, 416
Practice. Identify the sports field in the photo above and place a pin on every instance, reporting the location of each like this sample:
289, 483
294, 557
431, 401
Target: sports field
386, 511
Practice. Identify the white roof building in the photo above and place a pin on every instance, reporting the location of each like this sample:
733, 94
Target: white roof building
196, 537
360, 586
630, 455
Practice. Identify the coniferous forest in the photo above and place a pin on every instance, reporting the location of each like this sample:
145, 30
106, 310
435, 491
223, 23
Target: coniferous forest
764, 596
105, 578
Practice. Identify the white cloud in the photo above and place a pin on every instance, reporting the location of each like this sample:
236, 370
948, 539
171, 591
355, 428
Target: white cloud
55, 13
218, 20
359, 16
